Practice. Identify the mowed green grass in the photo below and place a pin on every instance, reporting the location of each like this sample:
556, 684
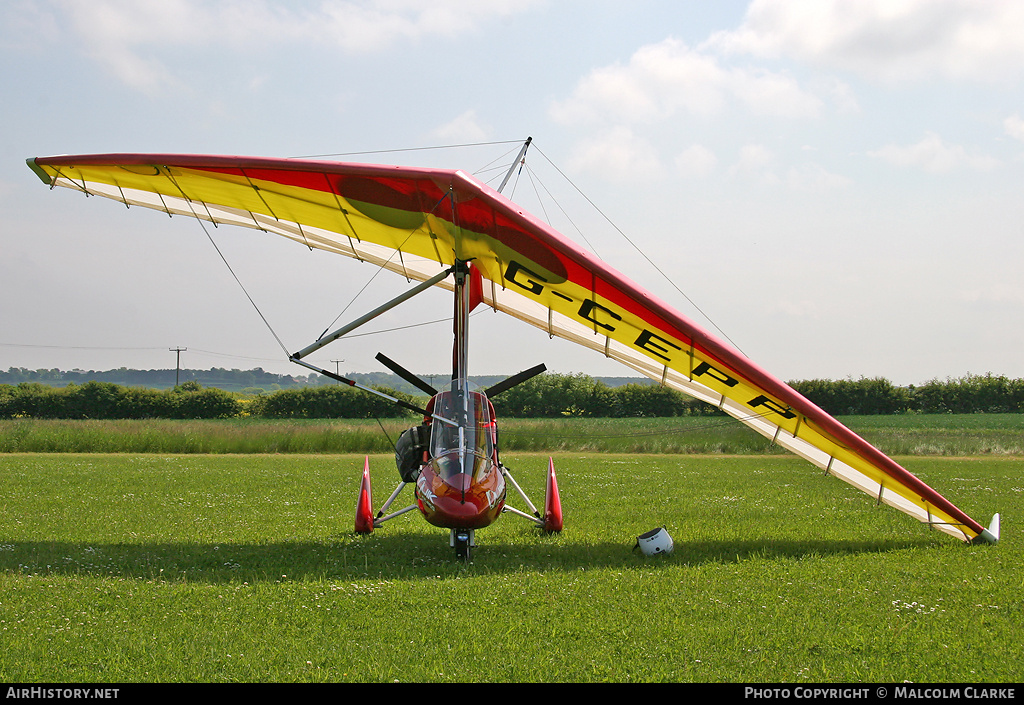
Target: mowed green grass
225, 568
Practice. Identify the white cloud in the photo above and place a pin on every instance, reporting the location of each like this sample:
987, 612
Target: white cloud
814, 178
839, 93
618, 153
362, 25
128, 36
888, 39
996, 293
695, 161
464, 128
761, 164
25, 24
1014, 126
667, 78
754, 160
933, 155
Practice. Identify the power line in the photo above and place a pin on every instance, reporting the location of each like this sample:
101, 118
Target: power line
72, 347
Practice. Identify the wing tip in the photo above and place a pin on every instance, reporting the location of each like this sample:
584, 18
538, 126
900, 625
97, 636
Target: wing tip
991, 534
39, 171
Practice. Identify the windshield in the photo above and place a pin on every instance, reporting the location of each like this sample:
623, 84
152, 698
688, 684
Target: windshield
462, 431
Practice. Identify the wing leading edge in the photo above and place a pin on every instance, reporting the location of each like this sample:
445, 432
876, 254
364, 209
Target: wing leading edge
417, 222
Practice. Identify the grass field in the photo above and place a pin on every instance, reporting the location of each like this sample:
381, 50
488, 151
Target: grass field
910, 434
147, 567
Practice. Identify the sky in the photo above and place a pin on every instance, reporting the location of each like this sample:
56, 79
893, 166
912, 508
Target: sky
835, 187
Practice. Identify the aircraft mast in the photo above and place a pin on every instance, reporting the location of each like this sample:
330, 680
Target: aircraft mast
518, 161
460, 357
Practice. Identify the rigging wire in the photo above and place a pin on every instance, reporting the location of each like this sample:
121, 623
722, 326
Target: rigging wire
239, 281
531, 174
498, 170
398, 328
214, 353
353, 300
491, 166
407, 149
386, 434
642, 253
511, 194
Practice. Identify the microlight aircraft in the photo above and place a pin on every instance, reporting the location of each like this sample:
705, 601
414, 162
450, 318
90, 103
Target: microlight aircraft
444, 228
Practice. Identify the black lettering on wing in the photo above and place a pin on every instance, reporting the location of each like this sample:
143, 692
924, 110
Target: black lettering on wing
771, 405
705, 368
528, 280
655, 344
588, 310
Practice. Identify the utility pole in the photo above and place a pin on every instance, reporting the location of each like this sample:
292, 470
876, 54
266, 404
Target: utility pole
337, 370
177, 370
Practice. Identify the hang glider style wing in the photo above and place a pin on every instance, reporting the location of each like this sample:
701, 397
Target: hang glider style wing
417, 222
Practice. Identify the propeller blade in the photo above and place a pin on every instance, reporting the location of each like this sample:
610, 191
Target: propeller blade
512, 381
405, 374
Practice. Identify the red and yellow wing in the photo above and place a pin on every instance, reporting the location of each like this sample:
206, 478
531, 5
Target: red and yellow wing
418, 221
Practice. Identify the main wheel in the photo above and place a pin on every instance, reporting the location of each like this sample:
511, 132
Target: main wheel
462, 545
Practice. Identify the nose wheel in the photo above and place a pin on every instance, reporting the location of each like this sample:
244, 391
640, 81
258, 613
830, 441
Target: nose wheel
462, 541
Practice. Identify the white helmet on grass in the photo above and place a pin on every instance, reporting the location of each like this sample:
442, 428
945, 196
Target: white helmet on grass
654, 542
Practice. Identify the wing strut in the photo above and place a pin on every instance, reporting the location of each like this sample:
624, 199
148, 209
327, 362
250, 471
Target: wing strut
325, 340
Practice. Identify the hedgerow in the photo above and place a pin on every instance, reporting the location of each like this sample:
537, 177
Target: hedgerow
545, 396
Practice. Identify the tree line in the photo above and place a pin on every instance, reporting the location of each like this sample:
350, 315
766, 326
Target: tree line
545, 396
233, 379
106, 400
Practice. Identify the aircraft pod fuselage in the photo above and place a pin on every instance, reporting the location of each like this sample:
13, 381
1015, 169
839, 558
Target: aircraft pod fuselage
461, 486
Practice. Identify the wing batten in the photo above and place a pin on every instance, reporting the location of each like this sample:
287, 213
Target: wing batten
415, 221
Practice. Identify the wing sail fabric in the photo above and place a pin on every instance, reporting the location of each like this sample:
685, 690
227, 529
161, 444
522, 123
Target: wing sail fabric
416, 222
